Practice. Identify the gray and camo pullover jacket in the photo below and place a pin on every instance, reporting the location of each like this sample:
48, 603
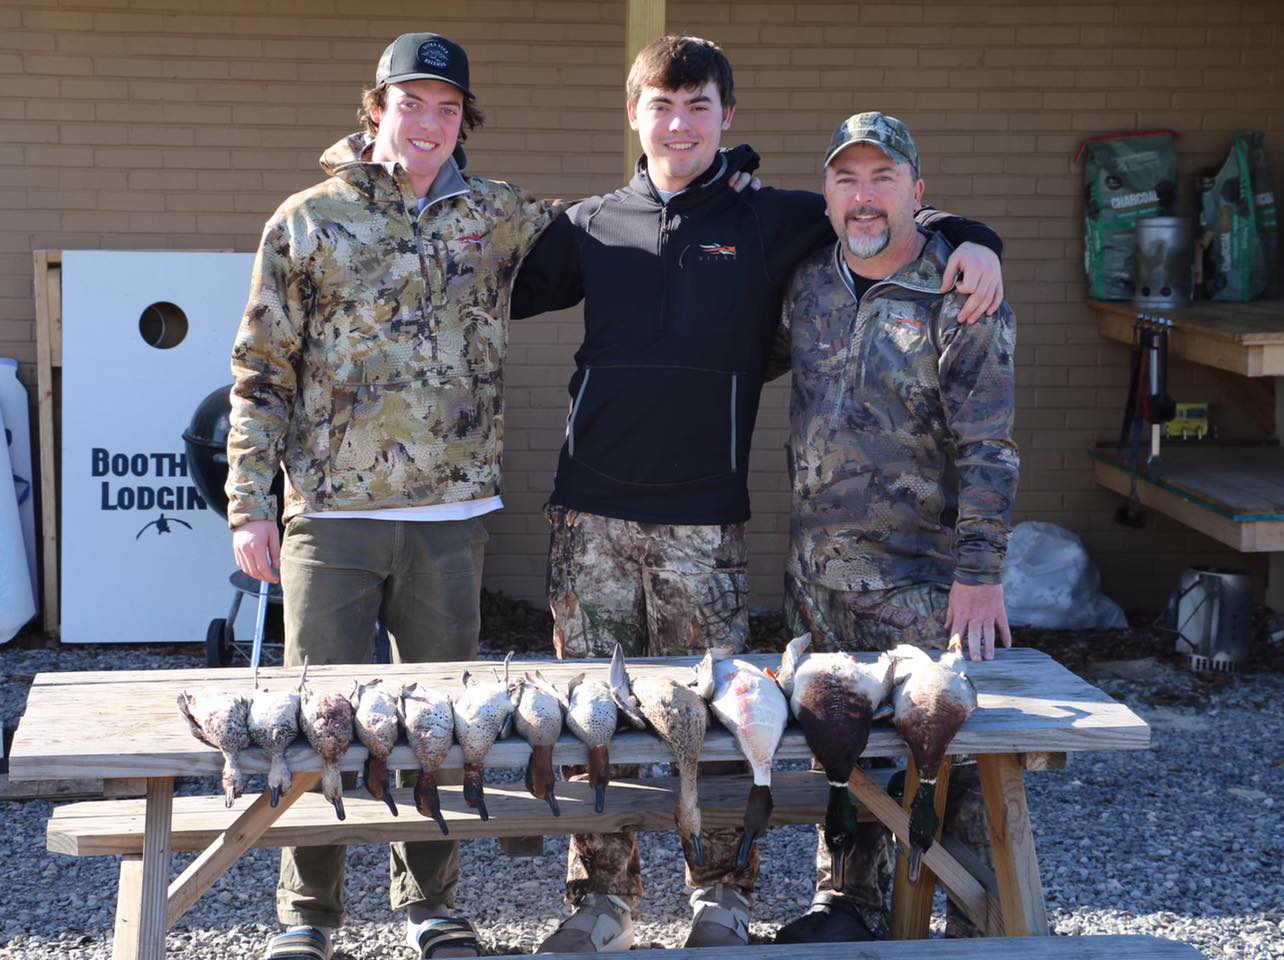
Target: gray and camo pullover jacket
369, 361
901, 454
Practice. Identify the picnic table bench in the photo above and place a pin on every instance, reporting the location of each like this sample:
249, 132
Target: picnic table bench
125, 725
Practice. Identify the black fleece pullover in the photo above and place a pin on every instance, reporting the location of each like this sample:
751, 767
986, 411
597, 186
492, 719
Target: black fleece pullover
681, 303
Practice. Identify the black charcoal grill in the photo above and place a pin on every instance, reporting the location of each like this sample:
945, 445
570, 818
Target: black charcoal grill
205, 440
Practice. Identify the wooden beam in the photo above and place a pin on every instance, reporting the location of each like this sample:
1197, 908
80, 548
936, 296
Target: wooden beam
129, 908
150, 942
48, 292
643, 22
203, 872
1012, 843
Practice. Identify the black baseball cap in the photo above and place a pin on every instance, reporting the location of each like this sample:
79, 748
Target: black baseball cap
423, 56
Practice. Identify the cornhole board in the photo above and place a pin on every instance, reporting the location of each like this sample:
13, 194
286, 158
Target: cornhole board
144, 559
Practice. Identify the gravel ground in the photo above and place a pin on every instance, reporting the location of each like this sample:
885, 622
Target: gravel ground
1183, 843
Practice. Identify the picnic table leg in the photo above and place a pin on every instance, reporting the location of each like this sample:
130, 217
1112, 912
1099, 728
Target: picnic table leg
140, 905
968, 892
1012, 843
912, 903
215, 860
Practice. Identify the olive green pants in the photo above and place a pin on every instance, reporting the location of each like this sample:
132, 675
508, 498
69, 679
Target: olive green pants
338, 577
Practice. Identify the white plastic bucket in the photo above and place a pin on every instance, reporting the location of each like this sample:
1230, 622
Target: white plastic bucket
17, 604
17, 420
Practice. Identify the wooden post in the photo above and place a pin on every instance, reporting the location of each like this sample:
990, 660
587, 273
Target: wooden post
1012, 843
643, 22
203, 872
48, 291
912, 903
129, 907
148, 938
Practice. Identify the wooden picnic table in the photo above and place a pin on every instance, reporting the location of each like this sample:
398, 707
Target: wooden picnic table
125, 725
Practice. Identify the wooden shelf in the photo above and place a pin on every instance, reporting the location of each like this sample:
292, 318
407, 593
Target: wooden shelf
1243, 338
1233, 494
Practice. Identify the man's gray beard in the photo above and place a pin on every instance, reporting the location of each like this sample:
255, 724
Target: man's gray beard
863, 248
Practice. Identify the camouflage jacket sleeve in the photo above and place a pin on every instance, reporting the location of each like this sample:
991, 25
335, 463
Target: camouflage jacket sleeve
264, 363
533, 218
778, 357
978, 396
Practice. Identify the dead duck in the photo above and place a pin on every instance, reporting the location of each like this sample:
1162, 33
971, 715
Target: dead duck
274, 725
375, 715
429, 722
753, 708
932, 700
483, 714
326, 719
679, 714
592, 716
538, 717
834, 698
221, 720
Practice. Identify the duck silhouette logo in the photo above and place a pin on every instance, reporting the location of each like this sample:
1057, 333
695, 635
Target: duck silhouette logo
162, 525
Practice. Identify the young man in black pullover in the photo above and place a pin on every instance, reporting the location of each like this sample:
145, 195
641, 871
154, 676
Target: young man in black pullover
682, 279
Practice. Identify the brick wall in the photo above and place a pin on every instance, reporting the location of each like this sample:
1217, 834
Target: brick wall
168, 123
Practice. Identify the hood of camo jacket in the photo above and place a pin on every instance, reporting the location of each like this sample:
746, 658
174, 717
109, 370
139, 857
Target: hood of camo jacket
369, 361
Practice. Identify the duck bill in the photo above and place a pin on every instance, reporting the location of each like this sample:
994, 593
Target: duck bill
697, 849
338, 808
757, 816
913, 865
428, 801
274, 795
375, 774
599, 768
840, 820
474, 796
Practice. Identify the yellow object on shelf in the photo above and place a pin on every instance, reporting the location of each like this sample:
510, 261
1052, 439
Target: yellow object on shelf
1190, 423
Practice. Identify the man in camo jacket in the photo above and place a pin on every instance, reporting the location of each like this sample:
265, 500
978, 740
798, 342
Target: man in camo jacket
902, 464
369, 364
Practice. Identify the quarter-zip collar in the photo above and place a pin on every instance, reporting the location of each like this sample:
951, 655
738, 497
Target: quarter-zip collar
349, 160
923, 274
726, 162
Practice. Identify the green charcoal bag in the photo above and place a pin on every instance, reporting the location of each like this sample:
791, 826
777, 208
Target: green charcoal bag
1126, 177
1239, 227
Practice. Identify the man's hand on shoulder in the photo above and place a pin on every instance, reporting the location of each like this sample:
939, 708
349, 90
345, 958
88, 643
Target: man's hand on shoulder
975, 615
975, 270
256, 545
738, 181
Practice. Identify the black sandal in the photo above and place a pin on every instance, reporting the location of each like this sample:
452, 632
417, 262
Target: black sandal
831, 919
438, 933
301, 943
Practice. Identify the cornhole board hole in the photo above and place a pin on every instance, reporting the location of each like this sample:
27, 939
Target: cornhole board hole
145, 336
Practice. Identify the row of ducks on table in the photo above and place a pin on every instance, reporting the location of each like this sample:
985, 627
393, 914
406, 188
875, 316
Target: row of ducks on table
834, 697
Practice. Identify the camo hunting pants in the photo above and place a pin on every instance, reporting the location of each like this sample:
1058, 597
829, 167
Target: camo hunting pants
657, 590
879, 620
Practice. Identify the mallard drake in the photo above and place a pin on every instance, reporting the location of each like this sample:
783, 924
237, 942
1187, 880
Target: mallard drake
221, 720
592, 716
834, 698
753, 708
429, 721
538, 717
932, 700
679, 714
326, 719
274, 725
376, 724
483, 714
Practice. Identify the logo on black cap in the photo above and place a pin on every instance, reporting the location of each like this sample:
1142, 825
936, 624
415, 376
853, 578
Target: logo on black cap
433, 53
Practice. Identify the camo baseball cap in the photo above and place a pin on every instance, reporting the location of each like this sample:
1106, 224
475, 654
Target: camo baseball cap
879, 130
423, 56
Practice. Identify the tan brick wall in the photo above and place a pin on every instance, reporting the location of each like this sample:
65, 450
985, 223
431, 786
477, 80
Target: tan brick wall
167, 123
